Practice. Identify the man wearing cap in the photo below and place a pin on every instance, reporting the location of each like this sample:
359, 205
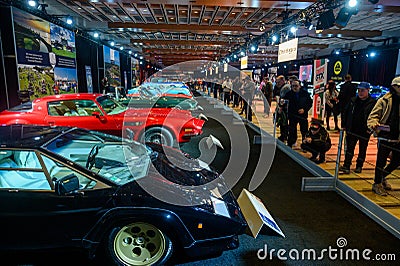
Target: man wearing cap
384, 120
354, 121
317, 141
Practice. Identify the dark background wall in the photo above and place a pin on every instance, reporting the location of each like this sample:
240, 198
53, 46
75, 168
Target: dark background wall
126, 69
87, 55
10, 73
3, 92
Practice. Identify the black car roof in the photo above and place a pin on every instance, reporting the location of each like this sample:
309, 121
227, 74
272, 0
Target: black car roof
28, 136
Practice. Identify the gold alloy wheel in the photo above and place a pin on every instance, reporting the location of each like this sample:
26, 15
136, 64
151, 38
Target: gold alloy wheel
139, 244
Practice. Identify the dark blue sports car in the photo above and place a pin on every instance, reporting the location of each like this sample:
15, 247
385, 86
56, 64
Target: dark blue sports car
68, 187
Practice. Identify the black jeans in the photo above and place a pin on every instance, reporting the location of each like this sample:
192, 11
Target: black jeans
381, 170
351, 142
293, 121
316, 147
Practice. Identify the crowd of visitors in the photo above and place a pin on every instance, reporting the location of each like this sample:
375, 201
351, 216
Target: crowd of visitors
360, 114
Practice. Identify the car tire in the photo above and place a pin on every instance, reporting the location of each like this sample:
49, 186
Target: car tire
158, 135
138, 243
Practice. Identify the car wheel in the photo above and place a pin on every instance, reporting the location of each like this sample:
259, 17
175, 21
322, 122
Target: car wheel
138, 243
159, 136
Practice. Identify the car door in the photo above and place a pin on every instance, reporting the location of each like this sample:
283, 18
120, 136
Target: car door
88, 115
32, 214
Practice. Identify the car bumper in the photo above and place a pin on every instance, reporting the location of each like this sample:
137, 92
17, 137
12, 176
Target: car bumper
212, 247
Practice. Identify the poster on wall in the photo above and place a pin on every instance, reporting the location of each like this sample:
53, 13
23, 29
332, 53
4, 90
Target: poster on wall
46, 57
272, 73
305, 73
89, 79
338, 67
135, 72
319, 81
111, 66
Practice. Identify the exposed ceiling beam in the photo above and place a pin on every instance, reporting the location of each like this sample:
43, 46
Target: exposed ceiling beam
182, 27
294, 4
353, 33
178, 50
181, 42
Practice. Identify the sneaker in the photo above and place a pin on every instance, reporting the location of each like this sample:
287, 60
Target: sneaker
344, 169
313, 158
379, 190
358, 170
386, 185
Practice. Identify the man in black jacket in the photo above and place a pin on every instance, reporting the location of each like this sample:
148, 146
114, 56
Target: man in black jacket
347, 91
354, 121
299, 104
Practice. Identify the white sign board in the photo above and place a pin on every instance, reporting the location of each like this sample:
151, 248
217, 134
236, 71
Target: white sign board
225, 67
288, 50
256, 214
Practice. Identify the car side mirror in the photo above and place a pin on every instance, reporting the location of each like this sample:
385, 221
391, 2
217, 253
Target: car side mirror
102, 118
66, 185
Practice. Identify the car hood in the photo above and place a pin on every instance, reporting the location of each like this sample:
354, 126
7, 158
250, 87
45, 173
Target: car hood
157, 112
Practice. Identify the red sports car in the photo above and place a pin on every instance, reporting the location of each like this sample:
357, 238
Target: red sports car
101, 113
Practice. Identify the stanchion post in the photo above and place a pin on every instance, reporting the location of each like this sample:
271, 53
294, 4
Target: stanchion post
339, 152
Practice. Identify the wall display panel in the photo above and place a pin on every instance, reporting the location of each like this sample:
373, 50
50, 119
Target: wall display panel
112, 66
135, 72
338, 67
305, 73
46, 56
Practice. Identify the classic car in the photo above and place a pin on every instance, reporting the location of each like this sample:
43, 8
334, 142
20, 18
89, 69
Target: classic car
68, 187
150, 89
162, 102
102, 113
377, 92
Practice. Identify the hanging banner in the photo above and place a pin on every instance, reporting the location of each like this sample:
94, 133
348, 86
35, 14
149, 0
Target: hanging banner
89, 81
46, 57
288, 50
111, 66
338, 67
135, 72
320, 79
243, 62
305, 73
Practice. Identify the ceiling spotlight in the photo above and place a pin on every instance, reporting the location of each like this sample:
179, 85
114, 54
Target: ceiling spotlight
242, 53
130, 52
337, 52
135, 55
253, 48
69, 20
274, 38
293, 29
234, 56
112, 43
372, 54
96, 35
32, 3
121, 48
141, 57
352, 3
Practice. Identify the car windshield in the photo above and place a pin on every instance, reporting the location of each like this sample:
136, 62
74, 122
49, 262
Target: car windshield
110, 106
120, 161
